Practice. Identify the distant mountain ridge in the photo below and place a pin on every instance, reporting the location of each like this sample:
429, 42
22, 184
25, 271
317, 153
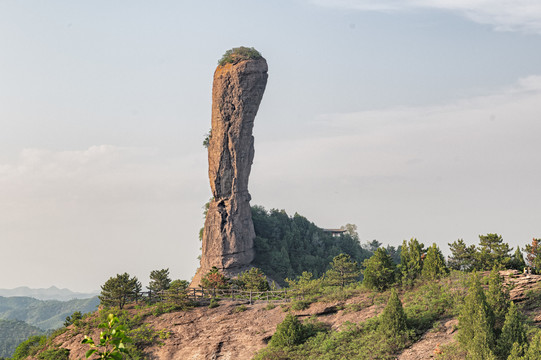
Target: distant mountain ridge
51, 293
44, 314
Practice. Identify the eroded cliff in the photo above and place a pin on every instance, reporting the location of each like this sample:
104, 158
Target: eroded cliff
228, 235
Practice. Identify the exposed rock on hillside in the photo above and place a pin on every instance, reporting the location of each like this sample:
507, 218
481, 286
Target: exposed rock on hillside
227, 333
228, 235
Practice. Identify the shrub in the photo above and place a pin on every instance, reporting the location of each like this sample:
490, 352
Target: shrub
29, 347
213, 304
214, 279
112, 340
240, 308
289, 332
55, 354
300, 305
238, 54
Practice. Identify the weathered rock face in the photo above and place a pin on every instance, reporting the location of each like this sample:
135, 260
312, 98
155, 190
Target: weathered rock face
228, 235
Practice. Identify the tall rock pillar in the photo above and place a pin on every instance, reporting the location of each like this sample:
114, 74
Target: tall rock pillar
228, 235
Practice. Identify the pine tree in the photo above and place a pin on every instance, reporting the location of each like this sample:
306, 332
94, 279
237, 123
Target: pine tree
159, 280
379, 271
476, 322
343, 271
534, 348
513, 332
392, 323
434, 264
254, 279
517, 261
393, 318
462, 256
517, 352
117, 291
493, 252
411, 261
498, 299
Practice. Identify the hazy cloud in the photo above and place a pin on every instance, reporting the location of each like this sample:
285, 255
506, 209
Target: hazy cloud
100, 207
469, 166
518, 15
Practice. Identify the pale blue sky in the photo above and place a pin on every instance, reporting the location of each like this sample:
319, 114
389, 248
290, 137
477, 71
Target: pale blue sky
410, 118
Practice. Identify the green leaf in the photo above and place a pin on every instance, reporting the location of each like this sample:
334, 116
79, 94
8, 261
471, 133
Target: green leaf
90, 352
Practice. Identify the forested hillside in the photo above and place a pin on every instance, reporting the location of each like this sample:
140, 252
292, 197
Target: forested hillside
288, 245
12, 332
44, 314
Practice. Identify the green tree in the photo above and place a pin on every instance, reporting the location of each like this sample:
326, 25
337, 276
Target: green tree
379, 271
305, 284
411, 263
517, 352
497, 298
117, 291
493, 252
177, 294
476, 323
394, 253
159, 280
462, 256
534, 348
517, 261
343, 271
75, 318
513, 332
214, 279
434, 264
254, 279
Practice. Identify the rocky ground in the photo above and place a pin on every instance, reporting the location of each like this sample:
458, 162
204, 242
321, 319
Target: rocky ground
225, 333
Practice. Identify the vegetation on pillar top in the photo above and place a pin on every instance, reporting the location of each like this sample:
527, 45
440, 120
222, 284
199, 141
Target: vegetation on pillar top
239, 54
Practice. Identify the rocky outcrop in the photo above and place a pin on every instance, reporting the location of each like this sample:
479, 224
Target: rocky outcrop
228, 235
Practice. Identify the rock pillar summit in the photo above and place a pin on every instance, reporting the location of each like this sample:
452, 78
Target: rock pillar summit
237, 90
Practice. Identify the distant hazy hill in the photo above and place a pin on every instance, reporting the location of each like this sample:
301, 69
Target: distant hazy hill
13, 332
52, 293
45, 314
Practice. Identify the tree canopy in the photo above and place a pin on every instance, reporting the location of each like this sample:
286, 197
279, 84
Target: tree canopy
286, 246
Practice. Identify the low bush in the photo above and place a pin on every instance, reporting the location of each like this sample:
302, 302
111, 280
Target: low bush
54, 354
238, 54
